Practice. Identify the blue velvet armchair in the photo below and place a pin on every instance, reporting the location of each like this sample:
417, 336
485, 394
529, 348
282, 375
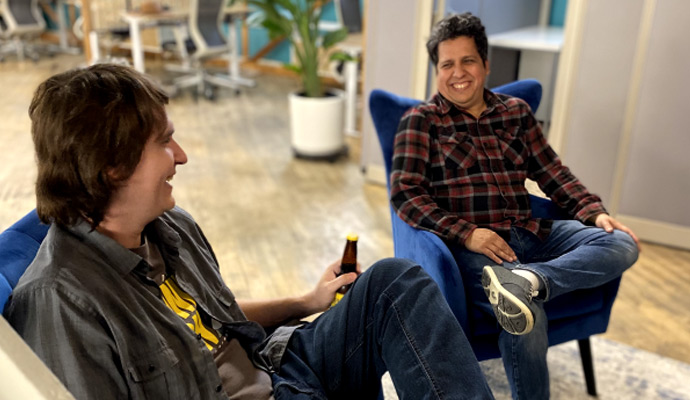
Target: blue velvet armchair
574, 316
18, 247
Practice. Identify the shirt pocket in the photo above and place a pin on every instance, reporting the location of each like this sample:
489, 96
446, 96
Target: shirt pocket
458, 153
156, 375
514, 150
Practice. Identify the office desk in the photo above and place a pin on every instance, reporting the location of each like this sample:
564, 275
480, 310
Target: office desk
137, 21
539, 49
537, 38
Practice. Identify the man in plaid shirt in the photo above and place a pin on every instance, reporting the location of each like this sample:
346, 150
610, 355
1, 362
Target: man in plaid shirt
459, 168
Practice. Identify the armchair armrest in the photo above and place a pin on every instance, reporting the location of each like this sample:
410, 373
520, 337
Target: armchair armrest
428, 250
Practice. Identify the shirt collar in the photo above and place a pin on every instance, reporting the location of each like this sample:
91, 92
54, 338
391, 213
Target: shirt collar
120, 258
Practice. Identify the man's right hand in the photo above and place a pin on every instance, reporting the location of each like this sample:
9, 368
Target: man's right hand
487, 242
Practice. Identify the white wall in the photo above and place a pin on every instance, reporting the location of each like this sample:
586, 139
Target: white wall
388, 64
656, 184
599, 95
622, 117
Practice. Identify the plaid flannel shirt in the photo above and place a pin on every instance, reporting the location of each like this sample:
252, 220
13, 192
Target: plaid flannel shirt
453, 173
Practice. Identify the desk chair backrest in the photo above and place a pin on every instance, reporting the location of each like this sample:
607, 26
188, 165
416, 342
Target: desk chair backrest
349, 15
18, 247
206, 29
22, 17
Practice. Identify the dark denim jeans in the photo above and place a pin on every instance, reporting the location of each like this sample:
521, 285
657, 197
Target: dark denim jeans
574, 256
394, 318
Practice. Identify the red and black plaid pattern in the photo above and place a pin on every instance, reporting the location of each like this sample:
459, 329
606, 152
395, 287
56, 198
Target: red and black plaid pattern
452, 173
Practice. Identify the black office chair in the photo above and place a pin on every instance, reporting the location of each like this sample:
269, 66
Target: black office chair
21, 24
206, 40
349, 15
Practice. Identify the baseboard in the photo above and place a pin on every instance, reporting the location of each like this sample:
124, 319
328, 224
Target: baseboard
375, 174
658, 232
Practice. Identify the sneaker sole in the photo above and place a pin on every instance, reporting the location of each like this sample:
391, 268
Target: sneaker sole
499, 297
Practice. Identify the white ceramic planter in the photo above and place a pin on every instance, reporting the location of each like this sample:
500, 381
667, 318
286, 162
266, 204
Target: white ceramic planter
316, 124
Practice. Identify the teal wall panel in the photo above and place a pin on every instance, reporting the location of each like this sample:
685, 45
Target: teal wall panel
558, 8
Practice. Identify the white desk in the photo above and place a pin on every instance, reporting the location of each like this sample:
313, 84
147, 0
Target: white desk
138, 20
537, 38
539, 47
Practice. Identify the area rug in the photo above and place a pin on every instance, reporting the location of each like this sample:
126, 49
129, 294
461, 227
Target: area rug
622, 373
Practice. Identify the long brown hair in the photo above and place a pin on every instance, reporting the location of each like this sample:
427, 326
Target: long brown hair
89, 128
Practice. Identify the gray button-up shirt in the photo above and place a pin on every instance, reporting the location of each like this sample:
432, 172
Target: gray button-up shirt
84, 309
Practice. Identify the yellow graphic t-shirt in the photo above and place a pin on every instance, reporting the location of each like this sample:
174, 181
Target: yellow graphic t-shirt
185, 307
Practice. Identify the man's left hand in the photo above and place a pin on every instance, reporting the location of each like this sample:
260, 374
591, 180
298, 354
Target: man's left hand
323, 294
608, 223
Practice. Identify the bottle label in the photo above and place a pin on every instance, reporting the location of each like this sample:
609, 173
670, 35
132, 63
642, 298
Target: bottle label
338, 297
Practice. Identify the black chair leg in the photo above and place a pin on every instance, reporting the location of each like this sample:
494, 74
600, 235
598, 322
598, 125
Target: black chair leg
588, 365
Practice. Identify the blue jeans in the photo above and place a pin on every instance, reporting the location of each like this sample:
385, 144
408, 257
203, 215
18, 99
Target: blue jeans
573, 256
394, 318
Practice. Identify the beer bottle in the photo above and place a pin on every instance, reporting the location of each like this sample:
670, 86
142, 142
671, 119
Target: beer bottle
347, 265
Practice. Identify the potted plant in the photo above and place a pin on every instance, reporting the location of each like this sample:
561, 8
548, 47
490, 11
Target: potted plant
316, 114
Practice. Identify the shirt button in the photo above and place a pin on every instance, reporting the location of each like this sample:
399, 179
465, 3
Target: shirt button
219, 388
198, 336
152, 367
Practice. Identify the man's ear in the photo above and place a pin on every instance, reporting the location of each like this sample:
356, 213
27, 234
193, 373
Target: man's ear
114, 175
486, 67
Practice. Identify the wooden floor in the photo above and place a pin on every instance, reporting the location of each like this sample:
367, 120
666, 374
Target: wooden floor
275, 222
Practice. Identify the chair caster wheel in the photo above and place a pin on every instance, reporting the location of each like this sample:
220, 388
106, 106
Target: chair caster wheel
172, 91
209, 93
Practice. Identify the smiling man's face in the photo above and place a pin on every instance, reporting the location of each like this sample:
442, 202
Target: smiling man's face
461, 74
148, 192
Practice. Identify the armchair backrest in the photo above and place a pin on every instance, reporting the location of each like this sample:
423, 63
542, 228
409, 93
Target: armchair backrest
18, 247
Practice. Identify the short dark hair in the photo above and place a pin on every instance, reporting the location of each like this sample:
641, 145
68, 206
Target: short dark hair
454, 26
89, 128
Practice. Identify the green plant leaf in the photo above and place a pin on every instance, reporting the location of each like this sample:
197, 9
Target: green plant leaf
276, 29
298, 22
293, 68
342, 56
334, 37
